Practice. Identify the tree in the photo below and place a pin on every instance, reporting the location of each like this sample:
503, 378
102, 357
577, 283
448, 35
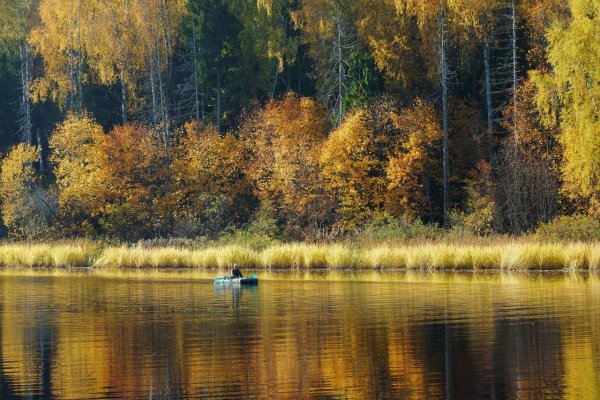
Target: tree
58, 40
412, 161
17, 20
209, 190
157, 25
527, 194
108, 41
132, 176
219, 48
353, 172
27, 209
537, 16
328, 29
436, 20
569, 97
73, 146
114, 47
269, 32
283, 142
393, 40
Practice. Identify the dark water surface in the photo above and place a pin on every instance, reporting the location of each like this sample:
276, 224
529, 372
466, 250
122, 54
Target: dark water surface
398, 336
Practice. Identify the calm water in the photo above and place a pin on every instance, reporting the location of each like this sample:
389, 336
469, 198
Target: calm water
420, 336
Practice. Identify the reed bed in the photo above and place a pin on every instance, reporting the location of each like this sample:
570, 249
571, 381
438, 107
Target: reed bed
508, 255
52, 255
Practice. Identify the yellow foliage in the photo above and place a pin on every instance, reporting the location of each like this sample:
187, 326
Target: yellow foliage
387, 33
53, 40
73, 147
412, 159
100, 174
208, 162
352, 171
112, 36
537, 16
207, 165
573, 86
18, 178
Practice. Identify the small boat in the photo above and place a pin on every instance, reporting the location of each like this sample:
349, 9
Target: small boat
249, 280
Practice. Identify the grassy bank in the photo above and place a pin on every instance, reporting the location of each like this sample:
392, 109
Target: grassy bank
508, 255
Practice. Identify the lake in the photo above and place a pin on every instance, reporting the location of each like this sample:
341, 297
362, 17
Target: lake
308, 336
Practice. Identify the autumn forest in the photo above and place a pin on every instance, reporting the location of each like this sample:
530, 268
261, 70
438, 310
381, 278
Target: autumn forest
298, 119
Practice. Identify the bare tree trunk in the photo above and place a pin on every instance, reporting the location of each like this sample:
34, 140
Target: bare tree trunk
275, 78
79, 61
164, 113
444, 85
340, 67
219, 100
123, 99
196, 94
514, 69
26, 125
153, 90
202, 108
71, 100
152, 70
123, 69
164, 13
40, 151
488, 93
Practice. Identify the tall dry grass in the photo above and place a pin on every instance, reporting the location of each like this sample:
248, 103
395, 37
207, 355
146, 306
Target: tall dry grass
53, 255
508, 255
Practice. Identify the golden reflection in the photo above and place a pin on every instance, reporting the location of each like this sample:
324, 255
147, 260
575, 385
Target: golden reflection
407, 335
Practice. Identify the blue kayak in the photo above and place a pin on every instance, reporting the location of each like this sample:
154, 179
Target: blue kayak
250, 280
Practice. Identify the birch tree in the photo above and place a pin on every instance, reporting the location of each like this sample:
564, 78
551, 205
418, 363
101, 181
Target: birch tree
114, 49
58, 40
17, 19
569, 97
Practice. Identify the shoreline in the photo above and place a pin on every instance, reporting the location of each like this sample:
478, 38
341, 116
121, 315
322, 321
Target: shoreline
504, 256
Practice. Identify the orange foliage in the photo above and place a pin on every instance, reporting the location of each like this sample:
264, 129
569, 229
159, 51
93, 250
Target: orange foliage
131, 174
283, 142
533, 141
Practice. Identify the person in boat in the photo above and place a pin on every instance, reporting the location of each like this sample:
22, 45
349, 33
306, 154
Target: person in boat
235, 272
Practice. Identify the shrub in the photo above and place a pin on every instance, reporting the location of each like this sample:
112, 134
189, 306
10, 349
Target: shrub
573, 228
386, 228
260, 233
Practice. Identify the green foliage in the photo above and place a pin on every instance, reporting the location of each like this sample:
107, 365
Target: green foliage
364, 81
122, 223
386, 228
264, 223
480, 214
570, 228
262, 231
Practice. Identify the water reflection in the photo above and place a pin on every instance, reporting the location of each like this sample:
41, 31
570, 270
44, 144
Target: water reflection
452, 337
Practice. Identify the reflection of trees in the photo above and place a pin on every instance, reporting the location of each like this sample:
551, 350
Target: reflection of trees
26, 348
359, 340
529, 365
